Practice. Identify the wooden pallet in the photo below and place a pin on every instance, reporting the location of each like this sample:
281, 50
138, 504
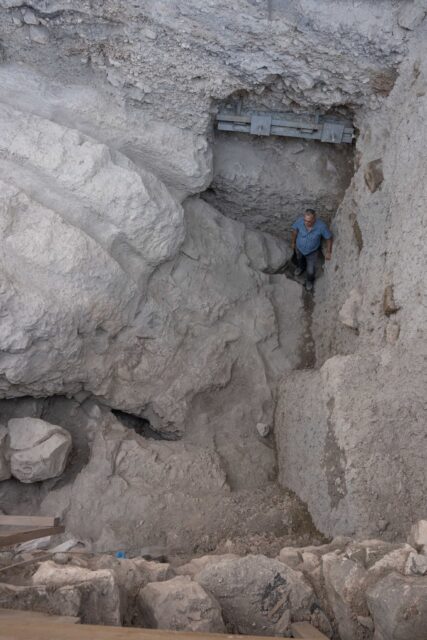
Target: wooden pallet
28, 625
15, 529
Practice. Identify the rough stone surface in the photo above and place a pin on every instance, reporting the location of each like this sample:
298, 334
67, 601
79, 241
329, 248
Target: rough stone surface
72, 591
144, 492
363, 409
398, 606
116, 284
255, 593
418, 535
267, 183
291, 557
180, 604
38, 450
175, 61
345, 588
416, 564
196, 565
4, 462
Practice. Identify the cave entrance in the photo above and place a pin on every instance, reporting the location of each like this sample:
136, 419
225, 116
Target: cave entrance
266, 181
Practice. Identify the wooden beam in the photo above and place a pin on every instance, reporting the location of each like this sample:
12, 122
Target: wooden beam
10, 536
306, 631
13, 629
31, 617
29, 521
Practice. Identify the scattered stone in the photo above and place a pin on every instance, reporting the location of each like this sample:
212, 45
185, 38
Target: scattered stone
290, 556
398, 605
366, 622
416, 564
418, 535
30, 17
392, 332
38, 449
255, 592
374, 175
263, 429
61, 558
349, 313
154, 571
39, 34
389, 305
310, 562
393, 561
181, 605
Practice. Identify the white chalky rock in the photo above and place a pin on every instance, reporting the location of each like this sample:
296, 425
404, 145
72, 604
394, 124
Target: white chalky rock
95, 594
38, 450
349, 313
180, 604
418, 535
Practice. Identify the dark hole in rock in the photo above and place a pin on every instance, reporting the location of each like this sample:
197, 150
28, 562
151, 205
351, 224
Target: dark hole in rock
141, 426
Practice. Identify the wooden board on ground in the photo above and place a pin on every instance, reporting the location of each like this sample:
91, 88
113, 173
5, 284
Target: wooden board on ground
12, 629
31, 617
306, 631
29, 521
13, 535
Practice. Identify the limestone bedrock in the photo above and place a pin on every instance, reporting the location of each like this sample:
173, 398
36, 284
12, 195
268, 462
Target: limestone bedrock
353, 431
118, 281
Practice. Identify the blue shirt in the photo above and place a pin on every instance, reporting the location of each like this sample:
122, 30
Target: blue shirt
309, 240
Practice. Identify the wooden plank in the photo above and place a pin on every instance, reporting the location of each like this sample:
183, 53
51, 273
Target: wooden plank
306, 631
15, 535
29, 521
12, 629
30, 617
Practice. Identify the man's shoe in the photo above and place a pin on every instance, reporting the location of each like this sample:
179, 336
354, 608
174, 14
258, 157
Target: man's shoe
309, 286
298, 271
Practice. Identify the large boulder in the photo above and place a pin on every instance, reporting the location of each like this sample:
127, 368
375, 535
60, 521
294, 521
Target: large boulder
73, 591
348, 574
258, 595
181, 605
344, 581
398, 605
38, 450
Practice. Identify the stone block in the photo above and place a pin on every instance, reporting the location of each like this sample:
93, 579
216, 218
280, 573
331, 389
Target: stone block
180, 605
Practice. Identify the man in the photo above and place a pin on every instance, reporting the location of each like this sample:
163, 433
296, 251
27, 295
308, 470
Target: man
307, 233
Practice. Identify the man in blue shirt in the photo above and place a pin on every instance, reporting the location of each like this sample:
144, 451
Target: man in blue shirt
307, 233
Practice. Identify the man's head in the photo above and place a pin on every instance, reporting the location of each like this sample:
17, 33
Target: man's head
309, 218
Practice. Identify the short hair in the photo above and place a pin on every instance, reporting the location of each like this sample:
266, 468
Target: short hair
310, 211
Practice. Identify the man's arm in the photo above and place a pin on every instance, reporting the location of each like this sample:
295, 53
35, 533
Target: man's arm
294, 233
328, 253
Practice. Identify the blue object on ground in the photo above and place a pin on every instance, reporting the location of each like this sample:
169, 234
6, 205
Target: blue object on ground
120, 554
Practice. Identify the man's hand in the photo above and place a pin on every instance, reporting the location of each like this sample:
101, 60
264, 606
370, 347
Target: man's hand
328, 255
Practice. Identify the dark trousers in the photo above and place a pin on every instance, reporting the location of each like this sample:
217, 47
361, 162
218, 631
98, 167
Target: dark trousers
308, 263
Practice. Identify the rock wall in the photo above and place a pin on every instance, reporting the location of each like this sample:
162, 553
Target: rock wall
120, 287
267, 182
352, 432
